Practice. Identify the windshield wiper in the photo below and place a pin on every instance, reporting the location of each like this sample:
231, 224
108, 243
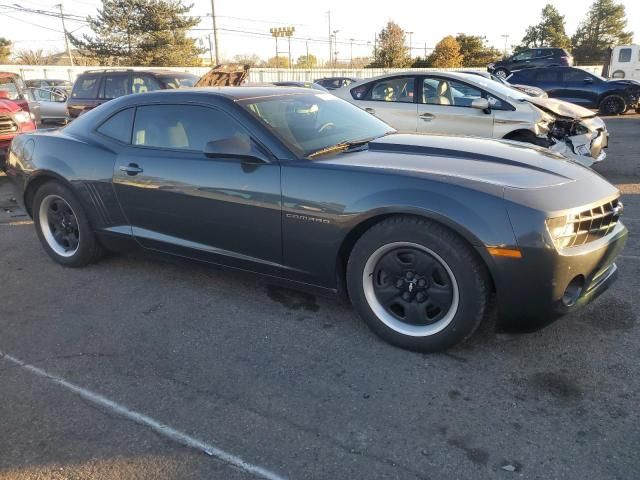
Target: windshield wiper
344, 146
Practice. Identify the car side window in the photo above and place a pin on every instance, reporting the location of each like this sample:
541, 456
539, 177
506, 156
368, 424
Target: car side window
526, 55
624, 55
186, 127
393, 90
43, 95
86, 87
144, 83
115, 86
575, 76
118, 126
441, 91
547, 76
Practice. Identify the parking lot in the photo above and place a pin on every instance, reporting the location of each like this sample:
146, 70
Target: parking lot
137, 367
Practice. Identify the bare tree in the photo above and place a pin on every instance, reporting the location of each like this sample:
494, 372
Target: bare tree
31, 57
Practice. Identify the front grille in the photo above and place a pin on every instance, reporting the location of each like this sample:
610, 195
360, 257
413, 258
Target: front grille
7, 125
589, 225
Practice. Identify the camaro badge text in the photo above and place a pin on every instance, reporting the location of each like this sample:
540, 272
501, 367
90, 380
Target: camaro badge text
307, 218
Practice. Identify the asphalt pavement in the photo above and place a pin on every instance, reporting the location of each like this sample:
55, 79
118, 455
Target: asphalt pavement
142, 368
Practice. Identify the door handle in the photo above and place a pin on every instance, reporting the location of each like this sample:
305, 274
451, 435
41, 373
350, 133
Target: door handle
131, 169
370, 110
427, 117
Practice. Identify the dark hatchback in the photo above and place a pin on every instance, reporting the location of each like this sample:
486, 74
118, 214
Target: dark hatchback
531, 58
420, 232
578, 86
95, 87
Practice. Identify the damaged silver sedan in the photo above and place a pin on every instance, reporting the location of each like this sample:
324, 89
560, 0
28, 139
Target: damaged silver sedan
454, 103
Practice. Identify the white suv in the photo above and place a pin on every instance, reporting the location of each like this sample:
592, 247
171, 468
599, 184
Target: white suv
465, 104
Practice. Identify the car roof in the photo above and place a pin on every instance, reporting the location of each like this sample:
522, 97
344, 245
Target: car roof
8, 74
130, 70
233, 93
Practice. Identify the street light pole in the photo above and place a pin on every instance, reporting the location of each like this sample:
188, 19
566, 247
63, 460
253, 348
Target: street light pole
351, 53
215, 31
506, 38
308, 60
335, 47
330, 44
410, 43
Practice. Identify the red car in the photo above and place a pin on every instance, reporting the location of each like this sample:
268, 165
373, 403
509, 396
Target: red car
13, 120
13, 86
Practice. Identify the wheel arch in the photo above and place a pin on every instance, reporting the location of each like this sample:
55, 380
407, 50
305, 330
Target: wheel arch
35, 181
359, 229
620, 93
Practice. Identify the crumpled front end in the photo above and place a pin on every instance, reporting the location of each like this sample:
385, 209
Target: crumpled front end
583, 141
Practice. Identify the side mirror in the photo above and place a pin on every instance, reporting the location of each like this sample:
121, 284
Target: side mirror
481, 104
58, 97
238, 147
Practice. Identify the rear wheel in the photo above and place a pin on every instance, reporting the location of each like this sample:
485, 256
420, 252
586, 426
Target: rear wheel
613, 105
63, 227
501, 72
417, 284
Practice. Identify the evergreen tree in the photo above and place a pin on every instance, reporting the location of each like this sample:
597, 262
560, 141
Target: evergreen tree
141, 32
392, 52
603, 28
476, 52
550, 32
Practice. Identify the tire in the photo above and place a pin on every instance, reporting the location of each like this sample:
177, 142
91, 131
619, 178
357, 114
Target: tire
450, 289
613, 105
501, 72
529, 137
63, 227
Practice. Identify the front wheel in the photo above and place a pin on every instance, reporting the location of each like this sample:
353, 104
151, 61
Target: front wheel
63, 227
613, 105
501, 73
417, 284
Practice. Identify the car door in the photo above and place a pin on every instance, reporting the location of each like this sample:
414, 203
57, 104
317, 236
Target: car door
578, 86
445, 108
178, 200
52, 105
392, 100
548, 79
541, 57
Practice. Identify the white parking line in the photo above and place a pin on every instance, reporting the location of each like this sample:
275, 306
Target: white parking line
141, 419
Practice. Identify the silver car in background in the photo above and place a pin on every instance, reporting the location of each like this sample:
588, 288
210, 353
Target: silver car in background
456, 103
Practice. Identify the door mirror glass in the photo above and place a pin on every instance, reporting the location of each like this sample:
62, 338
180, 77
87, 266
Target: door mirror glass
239, 146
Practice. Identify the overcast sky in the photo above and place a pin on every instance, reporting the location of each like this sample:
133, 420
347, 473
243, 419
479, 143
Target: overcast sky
429, 20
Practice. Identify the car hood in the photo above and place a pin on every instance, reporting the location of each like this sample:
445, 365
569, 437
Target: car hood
561, 108
625, 83
466, 159
9, 106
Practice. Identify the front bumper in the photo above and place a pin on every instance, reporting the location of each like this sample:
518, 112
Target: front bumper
531, 289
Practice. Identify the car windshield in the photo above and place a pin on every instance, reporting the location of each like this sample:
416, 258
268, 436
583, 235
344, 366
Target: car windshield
497, 88
7, 85
314, 122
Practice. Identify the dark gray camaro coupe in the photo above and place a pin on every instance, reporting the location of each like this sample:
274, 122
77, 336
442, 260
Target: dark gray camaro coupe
419, 231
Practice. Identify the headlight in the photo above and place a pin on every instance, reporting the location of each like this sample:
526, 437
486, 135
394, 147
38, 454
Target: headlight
562, 229
22, 117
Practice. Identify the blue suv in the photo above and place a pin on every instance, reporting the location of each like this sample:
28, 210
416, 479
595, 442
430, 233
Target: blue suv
578, 86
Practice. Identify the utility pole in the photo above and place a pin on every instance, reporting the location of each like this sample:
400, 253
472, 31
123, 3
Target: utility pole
410, 44
210, 50
330, 45
66, 35
375, 48
215, 30
351, 52
335, 47
308, 60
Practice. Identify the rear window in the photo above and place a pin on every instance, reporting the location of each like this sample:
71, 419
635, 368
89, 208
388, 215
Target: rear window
86, 87
118, 126
179, 81
624, 55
